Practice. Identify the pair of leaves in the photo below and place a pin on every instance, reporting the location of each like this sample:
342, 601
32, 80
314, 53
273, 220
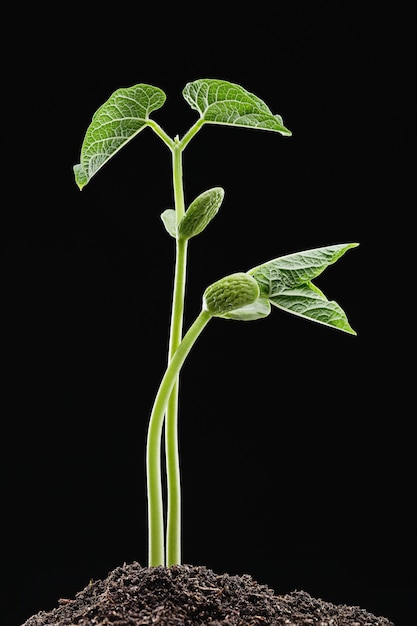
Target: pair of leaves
285, 282
126, 113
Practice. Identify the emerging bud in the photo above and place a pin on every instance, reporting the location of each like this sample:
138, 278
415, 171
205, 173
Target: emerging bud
200, 213
230, 293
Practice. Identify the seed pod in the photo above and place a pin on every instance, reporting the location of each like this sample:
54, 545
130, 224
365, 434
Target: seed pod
230, 293
200, 212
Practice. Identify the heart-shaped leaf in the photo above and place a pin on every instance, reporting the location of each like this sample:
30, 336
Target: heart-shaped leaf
309, 302
114, 124
293, 270
222, 102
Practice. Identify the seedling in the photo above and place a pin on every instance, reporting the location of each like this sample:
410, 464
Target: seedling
284, 282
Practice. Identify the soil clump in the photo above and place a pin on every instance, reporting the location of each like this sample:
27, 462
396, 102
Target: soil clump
187, 595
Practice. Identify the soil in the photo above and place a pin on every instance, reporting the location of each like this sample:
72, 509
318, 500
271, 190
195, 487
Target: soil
187, 595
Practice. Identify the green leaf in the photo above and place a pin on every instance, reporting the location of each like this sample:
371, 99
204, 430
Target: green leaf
255, 311
221, 102
169, 218
309, 302
293, 270
200, 212
114, 124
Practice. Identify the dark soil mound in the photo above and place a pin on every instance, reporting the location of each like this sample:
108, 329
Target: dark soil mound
185, 595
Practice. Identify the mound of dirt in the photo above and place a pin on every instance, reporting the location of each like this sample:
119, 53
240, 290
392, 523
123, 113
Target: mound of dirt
187, 595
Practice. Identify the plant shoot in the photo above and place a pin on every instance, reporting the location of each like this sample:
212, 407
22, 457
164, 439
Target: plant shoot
284, 283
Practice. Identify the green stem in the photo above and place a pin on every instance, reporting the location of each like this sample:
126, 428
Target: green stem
153, 449
161, 133
157, 554
173, 530
192, 131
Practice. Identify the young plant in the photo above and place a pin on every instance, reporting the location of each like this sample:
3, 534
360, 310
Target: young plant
284, 282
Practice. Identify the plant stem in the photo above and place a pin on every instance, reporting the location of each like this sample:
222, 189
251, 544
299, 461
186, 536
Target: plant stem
153, 449
173, 530
157, 555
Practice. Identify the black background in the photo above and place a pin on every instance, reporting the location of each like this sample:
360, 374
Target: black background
296, 444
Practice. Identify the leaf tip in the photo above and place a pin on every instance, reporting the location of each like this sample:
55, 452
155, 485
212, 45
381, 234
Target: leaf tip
81, 177
286, 132
347, 328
